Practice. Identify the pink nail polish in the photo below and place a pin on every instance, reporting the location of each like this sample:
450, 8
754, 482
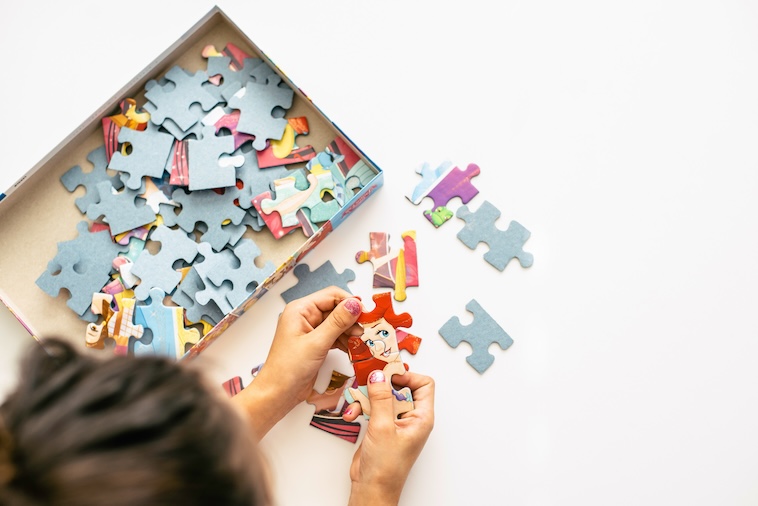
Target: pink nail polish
376, 377
348, 412
353, 306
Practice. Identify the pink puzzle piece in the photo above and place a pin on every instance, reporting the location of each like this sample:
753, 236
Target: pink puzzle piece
396, 271
456, 183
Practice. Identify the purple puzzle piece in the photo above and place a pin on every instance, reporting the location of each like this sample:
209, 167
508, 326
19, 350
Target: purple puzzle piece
457, 183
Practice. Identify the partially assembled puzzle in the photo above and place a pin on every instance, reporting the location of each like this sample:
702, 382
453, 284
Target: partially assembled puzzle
176, 194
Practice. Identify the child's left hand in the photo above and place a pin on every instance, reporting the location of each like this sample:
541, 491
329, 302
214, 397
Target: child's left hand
308, 328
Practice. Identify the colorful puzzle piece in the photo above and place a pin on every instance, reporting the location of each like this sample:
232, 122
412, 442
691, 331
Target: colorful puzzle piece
329, 406
504, 244
312, 281
284, 151
441, 185
379, 349
392, 271
480, 335
118, 325
166, 324
289, 199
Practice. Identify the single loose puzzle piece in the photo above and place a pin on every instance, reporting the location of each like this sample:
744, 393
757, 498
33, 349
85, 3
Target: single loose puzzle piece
205, 168
379, 349
455, 183
504, 244
244, 278
121, 211
480, 335
82, 266
208, 207
312, 281
256, 103
175, 104
75, 177
150, 151
166, 323
157, 271
396, 271
329, 407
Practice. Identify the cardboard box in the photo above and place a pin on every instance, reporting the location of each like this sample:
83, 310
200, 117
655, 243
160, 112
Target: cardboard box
38, 212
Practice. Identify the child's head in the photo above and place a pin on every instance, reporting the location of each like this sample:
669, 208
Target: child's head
123, 431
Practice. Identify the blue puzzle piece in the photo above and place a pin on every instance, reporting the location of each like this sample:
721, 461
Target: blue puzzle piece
480, 335
75, 177
312, 281
504, 244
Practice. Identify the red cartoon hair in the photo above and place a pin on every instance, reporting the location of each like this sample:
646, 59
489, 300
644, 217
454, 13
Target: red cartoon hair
384, 310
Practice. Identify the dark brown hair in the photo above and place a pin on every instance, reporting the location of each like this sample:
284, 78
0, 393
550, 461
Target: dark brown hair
123, 431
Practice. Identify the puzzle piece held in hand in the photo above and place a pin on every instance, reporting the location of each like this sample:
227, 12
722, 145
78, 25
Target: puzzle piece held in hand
480, 335
392, 271
82, 266
379, 349
329, 407
75, 177
166, 324
504, 244
312, 281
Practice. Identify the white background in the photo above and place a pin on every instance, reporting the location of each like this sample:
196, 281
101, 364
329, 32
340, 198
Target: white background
621, 134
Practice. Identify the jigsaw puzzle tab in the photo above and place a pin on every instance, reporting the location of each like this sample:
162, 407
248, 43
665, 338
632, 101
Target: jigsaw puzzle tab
256, 103
157, 270
121, 211
504, 244
175, 104
150, 151
480, 335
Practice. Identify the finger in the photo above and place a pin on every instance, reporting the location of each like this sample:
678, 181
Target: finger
339, 321
381, 399
327, 298
352, 412
422, 388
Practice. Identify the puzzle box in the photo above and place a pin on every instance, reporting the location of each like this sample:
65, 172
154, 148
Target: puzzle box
40, 196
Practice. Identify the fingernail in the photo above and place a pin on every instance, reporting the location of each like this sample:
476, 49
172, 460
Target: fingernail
376, 377
353, 306
348, 412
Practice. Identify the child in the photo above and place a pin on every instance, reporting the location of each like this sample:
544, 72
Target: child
147, 431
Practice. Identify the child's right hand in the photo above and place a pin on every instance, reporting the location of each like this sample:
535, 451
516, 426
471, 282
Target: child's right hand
391, 445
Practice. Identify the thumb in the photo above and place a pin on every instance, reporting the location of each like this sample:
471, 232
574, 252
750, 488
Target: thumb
381, 399
338, 321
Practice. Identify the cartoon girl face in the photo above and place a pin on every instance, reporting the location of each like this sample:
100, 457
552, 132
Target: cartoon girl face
381, 339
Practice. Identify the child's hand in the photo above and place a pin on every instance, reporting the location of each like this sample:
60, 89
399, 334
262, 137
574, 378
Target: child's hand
390, 446
308, 328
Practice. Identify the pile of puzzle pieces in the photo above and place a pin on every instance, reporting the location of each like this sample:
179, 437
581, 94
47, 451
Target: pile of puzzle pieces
208, 161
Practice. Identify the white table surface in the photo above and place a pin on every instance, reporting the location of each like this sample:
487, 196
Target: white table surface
623, 135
